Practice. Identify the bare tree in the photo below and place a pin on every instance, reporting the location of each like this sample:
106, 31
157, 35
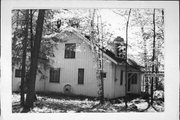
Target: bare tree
126, 76
153, 57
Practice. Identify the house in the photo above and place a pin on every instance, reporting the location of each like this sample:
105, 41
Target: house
73, 69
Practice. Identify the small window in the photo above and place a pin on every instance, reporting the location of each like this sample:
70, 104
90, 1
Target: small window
70, 50
80, 76
55, 75
121, 80
103, 74
134, 79
18, 73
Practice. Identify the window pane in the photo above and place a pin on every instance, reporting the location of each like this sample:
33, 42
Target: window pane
70, 50
121, 80
134, 78
80, 76
55, 75
18, 73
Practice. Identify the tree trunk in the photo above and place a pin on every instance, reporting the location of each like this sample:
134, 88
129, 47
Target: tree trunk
24, 58
126, 75
102, 67
34, 63
145, 63
153, 57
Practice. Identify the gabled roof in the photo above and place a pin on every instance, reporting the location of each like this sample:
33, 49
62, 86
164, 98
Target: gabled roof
112, 55
130, 62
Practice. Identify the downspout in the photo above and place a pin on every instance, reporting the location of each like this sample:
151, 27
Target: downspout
114, 80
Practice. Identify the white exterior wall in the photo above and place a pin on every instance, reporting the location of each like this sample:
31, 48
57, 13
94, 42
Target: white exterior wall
84, 58
16, 81
108, 81
69, 71
119, 90
136, 88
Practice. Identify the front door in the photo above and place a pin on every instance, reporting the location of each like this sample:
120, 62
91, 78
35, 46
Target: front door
132, 82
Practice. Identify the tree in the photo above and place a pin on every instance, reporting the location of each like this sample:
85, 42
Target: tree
24, 57
126, 76
34, 62
153, 57
98, 55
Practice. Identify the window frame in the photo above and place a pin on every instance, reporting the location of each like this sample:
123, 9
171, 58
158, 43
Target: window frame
70, 54
122, 76
134, 78
54, 73
18, 73
80, 82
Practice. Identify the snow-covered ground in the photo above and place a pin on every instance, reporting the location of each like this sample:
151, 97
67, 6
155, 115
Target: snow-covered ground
65, 104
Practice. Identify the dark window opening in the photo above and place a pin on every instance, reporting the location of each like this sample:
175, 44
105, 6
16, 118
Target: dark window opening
18, 73
121, 80
133, 78
55, 75
80, 76
103, 74
70, 50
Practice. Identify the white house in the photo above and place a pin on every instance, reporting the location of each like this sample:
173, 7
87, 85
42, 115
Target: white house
73, 70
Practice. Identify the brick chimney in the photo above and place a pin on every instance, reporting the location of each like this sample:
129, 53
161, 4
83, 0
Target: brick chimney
119, 47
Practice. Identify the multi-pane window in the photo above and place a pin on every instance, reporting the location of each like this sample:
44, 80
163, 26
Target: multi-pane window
80, 76
18, 73
70, 50
121, 80
54, 75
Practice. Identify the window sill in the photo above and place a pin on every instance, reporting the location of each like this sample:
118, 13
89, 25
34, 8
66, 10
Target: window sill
54, 82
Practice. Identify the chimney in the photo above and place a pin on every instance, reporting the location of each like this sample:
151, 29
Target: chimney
119, 47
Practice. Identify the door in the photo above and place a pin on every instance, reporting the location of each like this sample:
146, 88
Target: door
132, 82
129, 82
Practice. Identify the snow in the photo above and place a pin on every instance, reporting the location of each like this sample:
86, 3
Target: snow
67, 104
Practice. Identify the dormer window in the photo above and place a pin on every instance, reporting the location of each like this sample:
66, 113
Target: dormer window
70, 50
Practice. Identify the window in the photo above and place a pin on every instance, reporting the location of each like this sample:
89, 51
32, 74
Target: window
80, 76
54, 75
18, 73
133, 78
70, 50
121, 80
103, 74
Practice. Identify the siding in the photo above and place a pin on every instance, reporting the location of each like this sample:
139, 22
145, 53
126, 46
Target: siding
119, 90
69, 69
84, 58
16, 81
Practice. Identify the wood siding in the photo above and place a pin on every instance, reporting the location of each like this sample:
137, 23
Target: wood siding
84, 58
